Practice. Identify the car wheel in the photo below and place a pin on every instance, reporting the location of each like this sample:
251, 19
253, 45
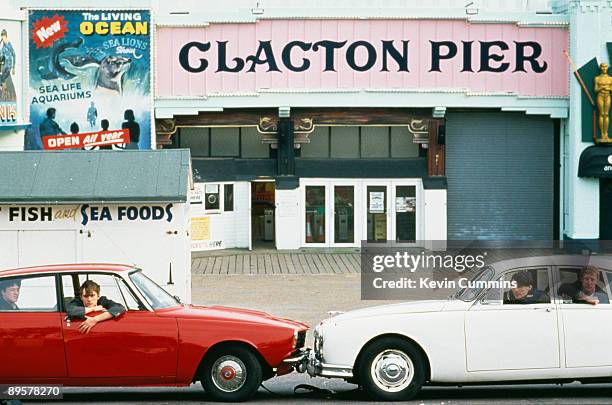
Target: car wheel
231, 374
392, 370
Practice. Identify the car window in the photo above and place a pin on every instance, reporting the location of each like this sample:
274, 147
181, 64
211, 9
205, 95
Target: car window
132, 303
108, 286
157, 297
579, 285
32, 294
520, 287
469, 294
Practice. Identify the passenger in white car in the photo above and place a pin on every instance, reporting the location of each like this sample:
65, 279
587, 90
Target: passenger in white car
585, 290
524, 292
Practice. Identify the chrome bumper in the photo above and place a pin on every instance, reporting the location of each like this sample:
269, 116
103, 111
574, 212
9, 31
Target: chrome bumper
306, 361
298, 360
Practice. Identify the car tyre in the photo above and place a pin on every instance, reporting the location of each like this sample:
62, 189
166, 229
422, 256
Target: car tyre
392, 369
231, 374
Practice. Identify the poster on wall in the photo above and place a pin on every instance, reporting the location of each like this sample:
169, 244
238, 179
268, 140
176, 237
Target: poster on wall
10, 72
90, 79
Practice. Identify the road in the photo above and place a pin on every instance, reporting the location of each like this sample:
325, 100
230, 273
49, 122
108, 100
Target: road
282, 393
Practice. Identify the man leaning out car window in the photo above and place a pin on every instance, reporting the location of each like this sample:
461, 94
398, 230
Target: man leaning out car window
89, 300
585, 290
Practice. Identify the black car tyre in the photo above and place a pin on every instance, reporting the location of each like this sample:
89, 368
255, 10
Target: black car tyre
231, 374
392, 370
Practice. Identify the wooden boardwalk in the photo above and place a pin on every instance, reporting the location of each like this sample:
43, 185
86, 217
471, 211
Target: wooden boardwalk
270, 263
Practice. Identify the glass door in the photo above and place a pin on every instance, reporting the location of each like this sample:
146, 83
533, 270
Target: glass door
343, 215
405, 213
314, 210
376, 213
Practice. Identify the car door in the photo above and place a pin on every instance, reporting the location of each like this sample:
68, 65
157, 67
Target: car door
501, 335
586, 326
31, 345
139, 344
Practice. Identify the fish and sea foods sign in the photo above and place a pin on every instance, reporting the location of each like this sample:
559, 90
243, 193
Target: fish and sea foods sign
90, 79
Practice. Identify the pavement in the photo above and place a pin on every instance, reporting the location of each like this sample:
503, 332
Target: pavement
301, 285
267, 261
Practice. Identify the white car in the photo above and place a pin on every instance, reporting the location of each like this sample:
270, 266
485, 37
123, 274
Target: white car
479, 335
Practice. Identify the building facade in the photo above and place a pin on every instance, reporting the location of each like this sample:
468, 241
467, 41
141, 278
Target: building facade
339, 125
342, 122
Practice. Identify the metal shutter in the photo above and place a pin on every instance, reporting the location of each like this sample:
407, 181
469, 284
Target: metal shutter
500, 174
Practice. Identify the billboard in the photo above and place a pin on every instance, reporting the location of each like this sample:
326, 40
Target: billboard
10, 73
90, 72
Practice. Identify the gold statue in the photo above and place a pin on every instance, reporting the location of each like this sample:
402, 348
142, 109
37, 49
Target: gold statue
603, 88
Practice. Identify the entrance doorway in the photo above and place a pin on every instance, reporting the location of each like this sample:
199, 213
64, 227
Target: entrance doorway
262, 214
342, 213
605, 209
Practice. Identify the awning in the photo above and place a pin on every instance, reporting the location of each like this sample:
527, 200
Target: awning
596, 161
42, 177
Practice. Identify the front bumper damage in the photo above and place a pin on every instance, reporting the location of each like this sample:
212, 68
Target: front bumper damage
308, 361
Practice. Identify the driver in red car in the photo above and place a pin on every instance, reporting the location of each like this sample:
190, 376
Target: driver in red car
91, 301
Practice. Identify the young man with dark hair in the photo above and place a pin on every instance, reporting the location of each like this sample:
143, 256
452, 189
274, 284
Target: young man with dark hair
524, 292
9, 294
89, 300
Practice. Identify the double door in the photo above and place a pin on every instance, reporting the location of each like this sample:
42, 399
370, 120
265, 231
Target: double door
343, 213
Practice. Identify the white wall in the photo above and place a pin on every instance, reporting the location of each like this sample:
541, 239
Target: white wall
152, 245
227, 229
435, 214
288, 219
11, 140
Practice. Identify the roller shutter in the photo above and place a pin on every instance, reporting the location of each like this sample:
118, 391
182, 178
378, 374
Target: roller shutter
500, 169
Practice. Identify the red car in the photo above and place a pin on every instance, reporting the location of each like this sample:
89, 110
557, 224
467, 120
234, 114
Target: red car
157, 342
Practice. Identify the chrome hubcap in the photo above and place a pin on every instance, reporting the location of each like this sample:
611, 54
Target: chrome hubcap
229, 373
392, 370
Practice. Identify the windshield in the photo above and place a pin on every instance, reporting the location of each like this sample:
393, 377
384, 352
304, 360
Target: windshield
156, 296
469, 294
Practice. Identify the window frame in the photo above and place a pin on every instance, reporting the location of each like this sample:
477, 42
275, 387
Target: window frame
221, 196
551, 296
28, 276
60, 294
233, 207
607, 285
219, 199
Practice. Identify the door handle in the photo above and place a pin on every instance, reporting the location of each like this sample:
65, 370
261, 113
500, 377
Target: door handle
547, 309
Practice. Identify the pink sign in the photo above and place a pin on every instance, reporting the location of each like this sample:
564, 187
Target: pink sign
361, 54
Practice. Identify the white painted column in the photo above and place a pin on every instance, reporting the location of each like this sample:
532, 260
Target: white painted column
287, 219
435, 216
590, 30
